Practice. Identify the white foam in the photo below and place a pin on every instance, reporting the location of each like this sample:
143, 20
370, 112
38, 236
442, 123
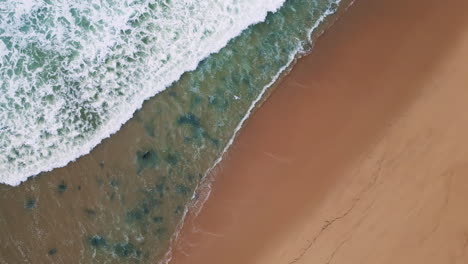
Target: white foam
39, 132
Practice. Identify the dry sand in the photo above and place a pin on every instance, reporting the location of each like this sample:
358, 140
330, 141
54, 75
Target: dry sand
359, 156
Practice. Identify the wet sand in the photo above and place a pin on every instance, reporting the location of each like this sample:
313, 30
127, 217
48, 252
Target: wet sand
359, 156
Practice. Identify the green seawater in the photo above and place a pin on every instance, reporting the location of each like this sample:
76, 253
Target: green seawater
122, 202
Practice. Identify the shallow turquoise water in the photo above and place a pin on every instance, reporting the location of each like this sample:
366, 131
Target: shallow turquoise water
122, 202
72, 72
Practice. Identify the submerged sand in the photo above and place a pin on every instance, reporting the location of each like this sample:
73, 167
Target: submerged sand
359, 156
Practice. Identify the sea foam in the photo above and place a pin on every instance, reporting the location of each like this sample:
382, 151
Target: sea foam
71, 73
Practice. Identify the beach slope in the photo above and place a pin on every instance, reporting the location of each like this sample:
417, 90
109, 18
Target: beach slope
359, 156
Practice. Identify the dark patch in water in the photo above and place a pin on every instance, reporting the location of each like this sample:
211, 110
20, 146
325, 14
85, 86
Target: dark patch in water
146, 159
189, 119
79, 187
135, 215
101, 164
182, 189
172, 159
114, 183
160, 232
213, 140
97, 241
173, 94
90, 212
179, 209
144, 209
159, 189
52, 251
30, 203
190, 177
149, 128
158, 219
146, 155
62, 187
195, 101
124, 250
218, 101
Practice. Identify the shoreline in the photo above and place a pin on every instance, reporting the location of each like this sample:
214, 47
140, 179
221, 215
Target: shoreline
203, 190
125, 199
109, 129
211, 234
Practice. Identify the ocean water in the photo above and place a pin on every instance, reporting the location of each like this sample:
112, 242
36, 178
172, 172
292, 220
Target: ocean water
71, 74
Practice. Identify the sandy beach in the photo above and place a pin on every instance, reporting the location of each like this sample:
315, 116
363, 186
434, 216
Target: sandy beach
360, 155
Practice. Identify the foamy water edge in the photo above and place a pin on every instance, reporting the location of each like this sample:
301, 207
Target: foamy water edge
118, 120
206, 183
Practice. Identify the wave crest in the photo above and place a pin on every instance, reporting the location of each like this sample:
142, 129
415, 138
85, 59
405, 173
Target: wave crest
72, 73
